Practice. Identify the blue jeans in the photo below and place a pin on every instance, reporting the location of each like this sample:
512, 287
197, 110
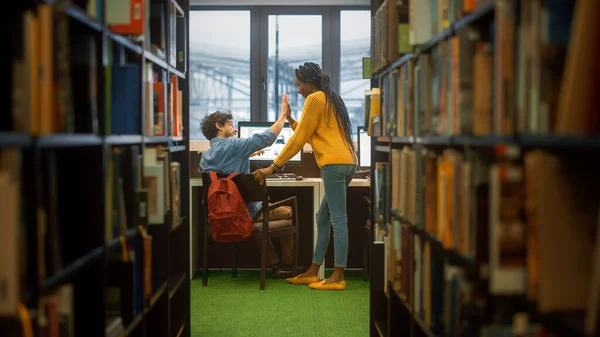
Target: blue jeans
336, 178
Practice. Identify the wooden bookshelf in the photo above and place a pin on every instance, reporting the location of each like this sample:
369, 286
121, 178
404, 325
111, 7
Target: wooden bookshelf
93, 170
484, 168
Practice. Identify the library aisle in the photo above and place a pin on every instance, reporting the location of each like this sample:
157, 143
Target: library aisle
281, 310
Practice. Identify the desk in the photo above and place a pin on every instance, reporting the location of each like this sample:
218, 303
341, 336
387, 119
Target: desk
318, 193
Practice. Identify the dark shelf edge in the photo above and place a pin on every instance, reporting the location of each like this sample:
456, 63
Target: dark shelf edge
427, 46
161, 290
80, 15
177, 148
15, 139
125, 42
162, 139
556, 141
382, 148
177, 72
403, 59
68, 140
180, 331
115, 242
381, 328
423, 326
156, 60
433, 140
474, 16
132, 325
155, 139
402, 139
178, 281
178, 7
123, 139
65, 273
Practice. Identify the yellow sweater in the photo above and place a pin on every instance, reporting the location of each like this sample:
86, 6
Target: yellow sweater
324, 135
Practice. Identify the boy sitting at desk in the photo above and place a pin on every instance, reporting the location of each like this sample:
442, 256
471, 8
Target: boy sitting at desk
228, 154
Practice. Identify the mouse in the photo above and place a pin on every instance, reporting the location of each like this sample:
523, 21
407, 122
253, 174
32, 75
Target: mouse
299, 178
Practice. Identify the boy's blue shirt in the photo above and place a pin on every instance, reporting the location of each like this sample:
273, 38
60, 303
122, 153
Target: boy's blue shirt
232, 154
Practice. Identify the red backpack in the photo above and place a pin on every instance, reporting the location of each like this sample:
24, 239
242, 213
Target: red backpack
228, 217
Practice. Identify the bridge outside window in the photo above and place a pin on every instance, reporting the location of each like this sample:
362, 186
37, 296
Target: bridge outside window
219, 65
355, 43
227, 46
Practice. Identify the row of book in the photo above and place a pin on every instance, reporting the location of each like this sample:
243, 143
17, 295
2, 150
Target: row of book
398, 26
483, 79
150, 182
156, 23
140, 190
163, 101
530, 224
64, 81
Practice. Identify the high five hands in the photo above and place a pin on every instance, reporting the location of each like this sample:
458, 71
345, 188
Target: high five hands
286, 111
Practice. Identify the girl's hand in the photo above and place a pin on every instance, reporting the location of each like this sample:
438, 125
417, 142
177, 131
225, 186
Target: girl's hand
286, 110
260, 174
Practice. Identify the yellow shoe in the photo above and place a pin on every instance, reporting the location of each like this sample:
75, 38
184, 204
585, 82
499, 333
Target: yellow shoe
303, 280
329, 286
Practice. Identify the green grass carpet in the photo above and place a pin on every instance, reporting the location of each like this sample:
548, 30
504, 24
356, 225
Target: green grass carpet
230, 307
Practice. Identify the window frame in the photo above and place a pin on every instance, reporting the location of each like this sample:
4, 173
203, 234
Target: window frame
259, 47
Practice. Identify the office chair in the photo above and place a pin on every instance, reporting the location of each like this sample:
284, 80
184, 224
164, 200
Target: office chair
252, 191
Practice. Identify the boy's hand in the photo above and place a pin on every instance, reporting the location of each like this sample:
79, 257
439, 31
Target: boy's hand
257, 153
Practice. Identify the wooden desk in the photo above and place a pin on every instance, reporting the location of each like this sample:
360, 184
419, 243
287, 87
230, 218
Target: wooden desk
318, 192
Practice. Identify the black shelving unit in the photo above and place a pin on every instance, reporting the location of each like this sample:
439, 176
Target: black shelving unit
75, 167
391, 314
550, 141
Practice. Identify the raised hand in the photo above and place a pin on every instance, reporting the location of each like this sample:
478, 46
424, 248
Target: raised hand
286, 110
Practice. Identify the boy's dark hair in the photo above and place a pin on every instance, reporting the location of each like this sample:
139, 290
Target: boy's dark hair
208, 127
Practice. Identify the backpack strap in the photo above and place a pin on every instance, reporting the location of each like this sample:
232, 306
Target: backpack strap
213, 176
233, 175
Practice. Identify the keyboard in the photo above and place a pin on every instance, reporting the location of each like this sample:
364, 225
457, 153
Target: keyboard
281, 176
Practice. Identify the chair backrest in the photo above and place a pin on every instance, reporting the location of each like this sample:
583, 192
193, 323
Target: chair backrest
250, 189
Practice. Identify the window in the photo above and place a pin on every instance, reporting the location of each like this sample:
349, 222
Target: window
246, 70
219, 65
293, 40
355, 42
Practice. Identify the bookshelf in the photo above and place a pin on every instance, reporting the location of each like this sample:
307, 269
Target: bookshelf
93, 169
485, 144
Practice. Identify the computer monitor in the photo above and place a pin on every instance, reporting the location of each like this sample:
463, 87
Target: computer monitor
247, 129
364, 148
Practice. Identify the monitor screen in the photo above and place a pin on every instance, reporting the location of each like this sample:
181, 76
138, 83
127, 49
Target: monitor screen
247, 129
364, 148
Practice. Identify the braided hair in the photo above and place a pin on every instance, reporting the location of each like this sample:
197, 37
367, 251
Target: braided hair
311, 73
